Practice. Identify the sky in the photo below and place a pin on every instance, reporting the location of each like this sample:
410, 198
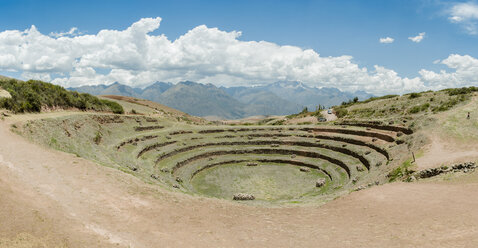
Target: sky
381, 47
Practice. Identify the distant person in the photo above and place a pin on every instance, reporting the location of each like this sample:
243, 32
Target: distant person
468, 116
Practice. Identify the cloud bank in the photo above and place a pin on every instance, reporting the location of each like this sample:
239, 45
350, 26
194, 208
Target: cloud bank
137, 58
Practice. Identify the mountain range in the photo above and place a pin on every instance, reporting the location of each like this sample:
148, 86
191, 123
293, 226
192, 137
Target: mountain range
280, 98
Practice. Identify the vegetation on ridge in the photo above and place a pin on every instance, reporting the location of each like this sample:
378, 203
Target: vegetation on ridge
33, 95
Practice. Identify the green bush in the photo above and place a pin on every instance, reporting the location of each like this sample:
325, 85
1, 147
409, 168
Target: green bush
379, 98
419, 108
414, 95
444, 106
461, 91
341, 112
32, 95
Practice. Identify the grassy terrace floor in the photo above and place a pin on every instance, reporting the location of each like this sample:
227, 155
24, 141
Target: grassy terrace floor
212, 160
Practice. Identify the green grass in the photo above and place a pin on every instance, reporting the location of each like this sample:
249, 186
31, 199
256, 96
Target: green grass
267, 182
32, 96
401, 171
413, 104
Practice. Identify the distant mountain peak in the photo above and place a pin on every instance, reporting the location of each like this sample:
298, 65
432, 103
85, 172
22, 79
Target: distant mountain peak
279, 98
291, 85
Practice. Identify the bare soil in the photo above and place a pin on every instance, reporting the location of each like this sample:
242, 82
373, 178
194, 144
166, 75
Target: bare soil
53, 199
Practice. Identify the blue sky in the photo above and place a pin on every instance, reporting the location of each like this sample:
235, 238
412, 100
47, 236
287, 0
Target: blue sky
330, 28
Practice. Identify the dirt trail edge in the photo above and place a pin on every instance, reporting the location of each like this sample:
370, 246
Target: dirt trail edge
50, 198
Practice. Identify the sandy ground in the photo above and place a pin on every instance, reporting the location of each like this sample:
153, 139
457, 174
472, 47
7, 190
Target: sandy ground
50, 199
441, 152
446, 149
329, 117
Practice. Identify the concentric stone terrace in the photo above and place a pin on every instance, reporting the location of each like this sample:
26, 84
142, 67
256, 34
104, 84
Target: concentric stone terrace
272, 163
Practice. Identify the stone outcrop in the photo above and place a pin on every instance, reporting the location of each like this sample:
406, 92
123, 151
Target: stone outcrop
243, 197
304, 169
431, 172
320, 182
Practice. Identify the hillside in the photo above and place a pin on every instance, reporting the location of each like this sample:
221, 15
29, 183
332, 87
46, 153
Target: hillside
137, 106
202, 100
35, 96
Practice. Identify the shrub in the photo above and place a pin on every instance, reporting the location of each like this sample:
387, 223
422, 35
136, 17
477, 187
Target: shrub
379, 98
414, 95
341, 112
444, 106
461, 91
32, 95
419, 108
97, 138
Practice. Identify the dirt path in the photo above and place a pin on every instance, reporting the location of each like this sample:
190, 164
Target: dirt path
329, 117
441, 152
50, 198
452, 140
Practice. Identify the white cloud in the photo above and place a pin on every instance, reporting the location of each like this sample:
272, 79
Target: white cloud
137, 58
73, 32
465, 74
465, 14
418, 38
387, 40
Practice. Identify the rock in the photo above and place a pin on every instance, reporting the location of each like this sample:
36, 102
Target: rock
251, 164
377, 182
304, 169
360, 188
354, 180
368, 128
155, 176
210, 159
344, 145
168, 137
293, 156
378, 164
176, 186
320, 182
165, 170
411, 178
179, 180
374, 139
243, 197
359, 168
367, 152
399, 134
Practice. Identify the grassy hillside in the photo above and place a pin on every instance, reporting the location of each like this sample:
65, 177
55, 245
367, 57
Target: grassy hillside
411, 105
33, 96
